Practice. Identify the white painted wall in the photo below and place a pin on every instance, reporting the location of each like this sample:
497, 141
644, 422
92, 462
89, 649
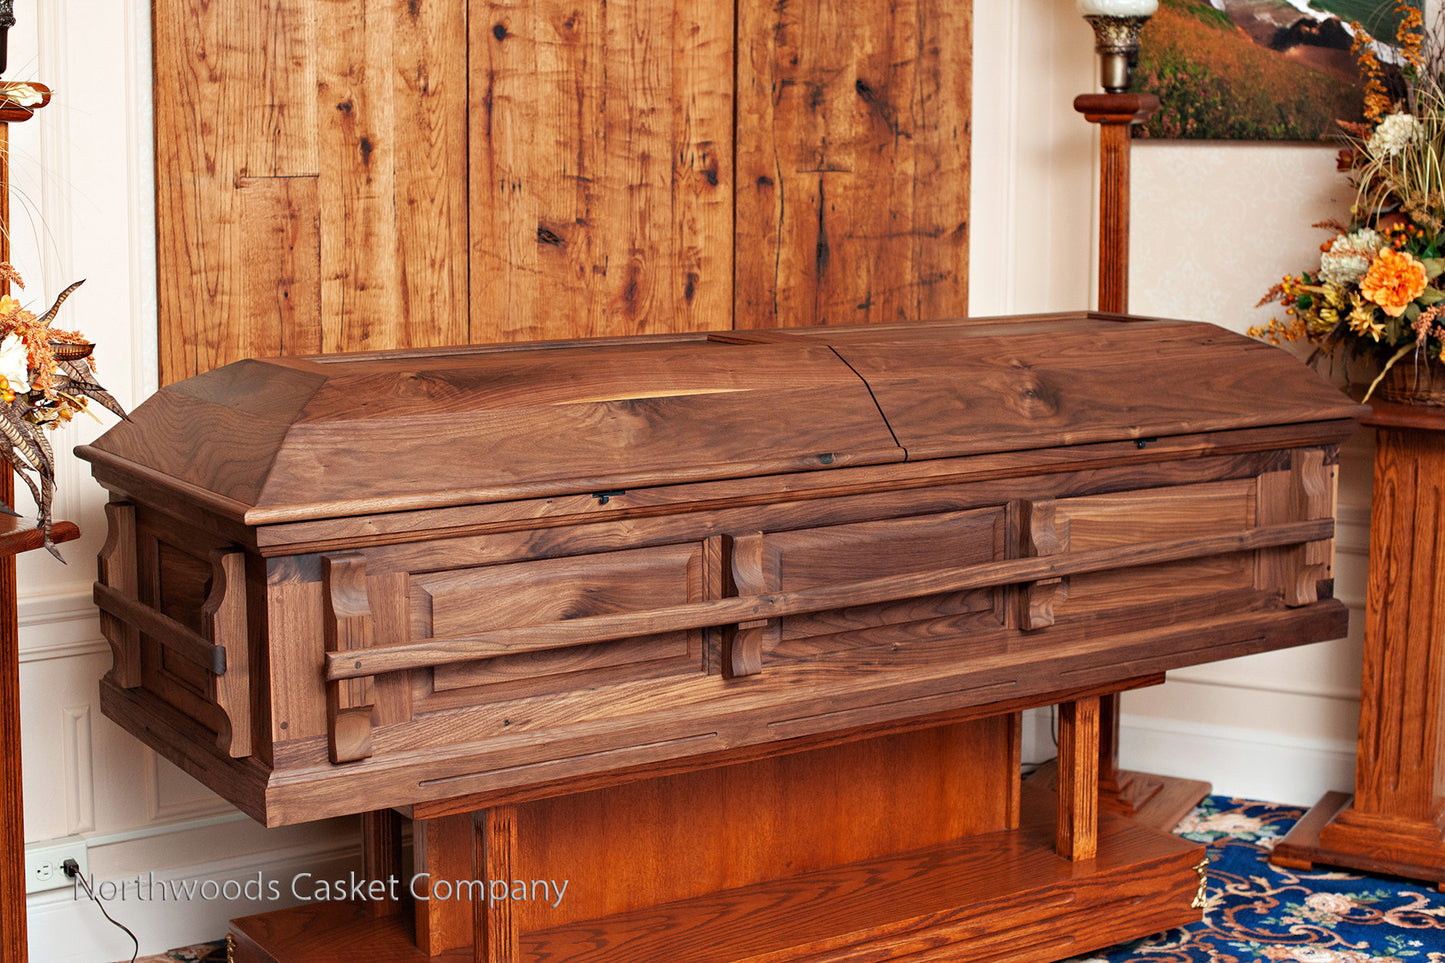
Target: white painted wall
1214, 225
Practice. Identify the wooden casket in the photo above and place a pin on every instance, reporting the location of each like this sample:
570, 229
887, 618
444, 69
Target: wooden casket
472, 580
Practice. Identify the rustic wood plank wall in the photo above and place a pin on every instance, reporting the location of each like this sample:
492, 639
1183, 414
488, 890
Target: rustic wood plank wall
341, 175
601, 167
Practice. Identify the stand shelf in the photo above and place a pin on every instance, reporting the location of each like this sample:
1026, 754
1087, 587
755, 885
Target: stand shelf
991, 897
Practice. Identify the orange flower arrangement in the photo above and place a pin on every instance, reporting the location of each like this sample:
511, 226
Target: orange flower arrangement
46, 377
1379, 288
1395, 280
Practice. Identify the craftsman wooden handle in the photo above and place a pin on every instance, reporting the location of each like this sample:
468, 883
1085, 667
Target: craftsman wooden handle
172, 635
359, 663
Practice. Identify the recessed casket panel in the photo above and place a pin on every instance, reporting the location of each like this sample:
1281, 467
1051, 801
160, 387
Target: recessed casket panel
355, 582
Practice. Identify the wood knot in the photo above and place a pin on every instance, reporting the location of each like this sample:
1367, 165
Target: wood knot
1022, 390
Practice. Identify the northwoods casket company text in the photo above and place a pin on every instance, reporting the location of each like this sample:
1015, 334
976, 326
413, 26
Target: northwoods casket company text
309, 888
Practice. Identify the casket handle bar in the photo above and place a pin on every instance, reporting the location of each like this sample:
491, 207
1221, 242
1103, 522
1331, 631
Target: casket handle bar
172, 635
751, 609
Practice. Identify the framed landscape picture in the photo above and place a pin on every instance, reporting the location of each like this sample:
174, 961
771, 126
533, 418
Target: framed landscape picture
1256, 69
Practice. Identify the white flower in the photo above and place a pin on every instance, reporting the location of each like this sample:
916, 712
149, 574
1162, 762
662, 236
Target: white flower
14, 364
1395, 133
1350, 256
22, 95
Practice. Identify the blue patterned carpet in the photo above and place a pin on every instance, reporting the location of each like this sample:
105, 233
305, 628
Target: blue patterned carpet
1261, 912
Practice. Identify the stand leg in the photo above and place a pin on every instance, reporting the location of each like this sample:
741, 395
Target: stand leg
1078, 818
381, 852
443, 851
496, 846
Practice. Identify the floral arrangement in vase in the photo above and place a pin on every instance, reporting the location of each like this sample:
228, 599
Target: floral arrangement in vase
46, 378
1378, 291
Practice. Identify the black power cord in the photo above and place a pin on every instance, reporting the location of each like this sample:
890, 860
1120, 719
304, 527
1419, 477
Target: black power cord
72, 870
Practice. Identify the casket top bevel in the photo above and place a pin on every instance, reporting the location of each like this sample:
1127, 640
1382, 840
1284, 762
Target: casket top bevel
289, 439
348, 583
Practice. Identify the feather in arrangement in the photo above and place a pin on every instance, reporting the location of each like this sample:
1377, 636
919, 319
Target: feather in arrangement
46, 378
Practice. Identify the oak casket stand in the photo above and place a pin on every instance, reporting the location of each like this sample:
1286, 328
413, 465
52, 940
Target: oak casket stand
729, 633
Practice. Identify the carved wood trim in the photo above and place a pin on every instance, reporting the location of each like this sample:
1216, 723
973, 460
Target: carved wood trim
754, 572
1305, 492
347, 627
224, 618
1045, 533
117, 570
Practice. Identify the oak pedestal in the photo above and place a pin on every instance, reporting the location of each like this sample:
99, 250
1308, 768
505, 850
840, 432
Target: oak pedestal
1393, 823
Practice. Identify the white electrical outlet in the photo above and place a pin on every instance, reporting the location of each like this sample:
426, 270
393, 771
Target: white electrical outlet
43, 863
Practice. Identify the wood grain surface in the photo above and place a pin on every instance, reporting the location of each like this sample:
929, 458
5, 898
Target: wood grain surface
338, 175
852, 162
311, 178
600, 168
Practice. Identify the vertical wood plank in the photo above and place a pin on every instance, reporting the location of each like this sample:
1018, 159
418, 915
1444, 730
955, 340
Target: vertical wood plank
599, 188
497, 858
430, 130
852, 202
1077, 835
360, 296
196, 156
277, 120
281, 247
234, 98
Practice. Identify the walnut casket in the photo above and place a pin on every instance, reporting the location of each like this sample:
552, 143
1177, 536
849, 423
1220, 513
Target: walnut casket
353, 582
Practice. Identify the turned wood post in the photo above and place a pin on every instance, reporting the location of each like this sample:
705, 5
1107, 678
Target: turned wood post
1116, 115
12, 810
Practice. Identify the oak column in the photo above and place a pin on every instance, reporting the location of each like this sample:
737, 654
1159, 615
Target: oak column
1392, 824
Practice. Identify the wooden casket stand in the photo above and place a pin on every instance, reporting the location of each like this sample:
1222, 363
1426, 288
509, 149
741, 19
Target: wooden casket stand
729, 633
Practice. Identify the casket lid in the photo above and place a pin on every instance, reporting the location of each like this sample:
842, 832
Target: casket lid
289, 439
972, 387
